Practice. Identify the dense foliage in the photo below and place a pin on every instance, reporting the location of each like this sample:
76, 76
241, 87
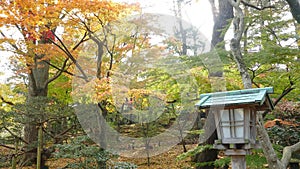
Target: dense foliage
87, 52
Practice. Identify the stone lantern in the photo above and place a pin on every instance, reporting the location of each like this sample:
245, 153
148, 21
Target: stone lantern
235, 119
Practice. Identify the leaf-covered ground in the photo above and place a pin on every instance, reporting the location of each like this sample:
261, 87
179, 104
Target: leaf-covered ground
166, 160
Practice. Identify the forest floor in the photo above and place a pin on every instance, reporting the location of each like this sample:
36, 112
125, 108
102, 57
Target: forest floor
167, 160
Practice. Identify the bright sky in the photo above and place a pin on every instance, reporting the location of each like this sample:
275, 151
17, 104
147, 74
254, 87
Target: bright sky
198, 13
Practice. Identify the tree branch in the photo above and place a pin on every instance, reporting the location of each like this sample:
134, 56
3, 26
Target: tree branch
274, 33
64, 132
58, 136
253, 77
288, 152
111, 54
284, 93
266, 144
7, 102
52, 65
9, 147
67, 52
100, 52
46, 132
13, 45
14, 135
57, 74
81, 41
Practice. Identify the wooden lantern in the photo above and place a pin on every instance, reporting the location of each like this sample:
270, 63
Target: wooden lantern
235, 115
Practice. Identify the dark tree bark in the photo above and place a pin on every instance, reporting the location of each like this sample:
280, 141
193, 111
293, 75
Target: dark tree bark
100, 52
221, 20
295, 9
209, 137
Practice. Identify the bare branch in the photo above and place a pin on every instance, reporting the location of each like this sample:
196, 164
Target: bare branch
14, 135
6, 146
253, 77
58, 137
13, 45
52, 65
7, 102
49, 134
284, 93
64, 132
100, 52
68, 53
111, 54
81, 41
58, 73
255, 74
274, 34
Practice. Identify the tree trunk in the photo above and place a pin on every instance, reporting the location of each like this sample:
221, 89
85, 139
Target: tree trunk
182, 31
295, 9
235, 46
209, 137
37, 87
221, 21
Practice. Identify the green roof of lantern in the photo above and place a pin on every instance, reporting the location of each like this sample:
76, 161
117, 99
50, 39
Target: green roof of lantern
257, 96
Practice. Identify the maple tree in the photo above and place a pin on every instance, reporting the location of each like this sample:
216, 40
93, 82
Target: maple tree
47, 37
